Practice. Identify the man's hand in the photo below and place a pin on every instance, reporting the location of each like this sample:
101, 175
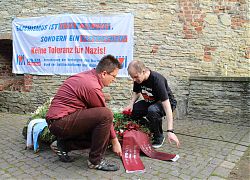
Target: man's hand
135, 97
129, 108
173, 137
116, 147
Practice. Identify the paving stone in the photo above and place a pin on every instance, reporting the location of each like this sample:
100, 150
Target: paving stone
2, 172
17, 174
207, 171
164, 176
241, 148
237, 153
202, 176
5, 176
216, 161
246, 138
215, 178
222, 172
175, 173
227, 164
43, 176
25, 176
244, 143
115, 177
225, 151
187, 171
151, 177
233, 158
219, 156
11, 170
5, 165
185, 177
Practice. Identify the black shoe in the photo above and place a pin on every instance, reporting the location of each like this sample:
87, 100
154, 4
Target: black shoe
56, 146
158, 142
104, 166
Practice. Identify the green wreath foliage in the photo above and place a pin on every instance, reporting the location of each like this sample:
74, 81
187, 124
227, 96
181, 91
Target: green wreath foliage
123, 122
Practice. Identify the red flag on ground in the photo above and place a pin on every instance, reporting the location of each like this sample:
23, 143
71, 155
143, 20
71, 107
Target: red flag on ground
133, 142
131, 156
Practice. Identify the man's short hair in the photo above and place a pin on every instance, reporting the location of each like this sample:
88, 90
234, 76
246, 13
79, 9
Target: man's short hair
108, 63
138, 66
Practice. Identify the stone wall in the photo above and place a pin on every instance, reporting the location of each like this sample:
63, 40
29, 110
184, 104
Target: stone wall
178, 38
220, 99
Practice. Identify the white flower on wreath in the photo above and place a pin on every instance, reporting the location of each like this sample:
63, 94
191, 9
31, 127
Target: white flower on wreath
43, 107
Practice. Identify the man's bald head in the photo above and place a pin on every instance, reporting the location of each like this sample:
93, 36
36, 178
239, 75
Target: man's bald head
137, 66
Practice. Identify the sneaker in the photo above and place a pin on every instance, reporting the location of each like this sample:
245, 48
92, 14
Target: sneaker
104, 166
158, 142
62, 154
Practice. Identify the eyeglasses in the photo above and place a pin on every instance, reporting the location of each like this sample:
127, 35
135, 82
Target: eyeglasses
114, 76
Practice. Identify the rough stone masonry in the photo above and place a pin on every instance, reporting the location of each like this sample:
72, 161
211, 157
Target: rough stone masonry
178, 38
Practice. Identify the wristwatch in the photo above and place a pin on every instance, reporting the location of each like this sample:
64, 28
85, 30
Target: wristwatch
170, 130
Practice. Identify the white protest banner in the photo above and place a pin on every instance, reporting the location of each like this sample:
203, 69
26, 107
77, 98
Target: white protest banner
69, 44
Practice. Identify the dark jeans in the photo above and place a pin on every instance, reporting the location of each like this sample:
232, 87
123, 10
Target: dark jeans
85, 128
153, 113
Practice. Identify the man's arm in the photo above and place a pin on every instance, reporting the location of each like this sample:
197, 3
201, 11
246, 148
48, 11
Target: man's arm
116, 146
134, 98
171, 136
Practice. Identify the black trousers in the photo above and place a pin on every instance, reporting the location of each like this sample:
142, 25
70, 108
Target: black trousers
153, 113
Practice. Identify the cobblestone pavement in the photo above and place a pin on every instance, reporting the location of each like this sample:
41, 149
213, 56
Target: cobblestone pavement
208, 150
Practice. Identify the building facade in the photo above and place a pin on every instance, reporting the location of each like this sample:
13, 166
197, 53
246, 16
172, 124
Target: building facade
178, 38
